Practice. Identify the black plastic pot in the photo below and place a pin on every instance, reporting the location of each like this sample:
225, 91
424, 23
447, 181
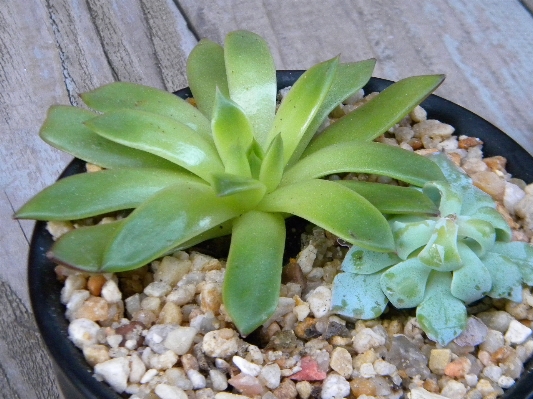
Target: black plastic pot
75, 375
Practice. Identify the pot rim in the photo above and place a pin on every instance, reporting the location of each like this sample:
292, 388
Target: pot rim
44, 288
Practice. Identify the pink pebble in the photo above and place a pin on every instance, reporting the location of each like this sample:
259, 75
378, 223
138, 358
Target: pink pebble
309, 372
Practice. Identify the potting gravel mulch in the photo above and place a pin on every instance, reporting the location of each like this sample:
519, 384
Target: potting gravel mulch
162, 332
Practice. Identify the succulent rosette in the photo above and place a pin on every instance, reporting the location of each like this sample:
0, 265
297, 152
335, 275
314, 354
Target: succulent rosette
230, 162
440, 263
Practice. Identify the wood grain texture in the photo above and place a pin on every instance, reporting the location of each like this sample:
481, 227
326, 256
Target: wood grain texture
484, 47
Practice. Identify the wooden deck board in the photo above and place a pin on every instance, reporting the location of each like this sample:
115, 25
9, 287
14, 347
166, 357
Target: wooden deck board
54, 49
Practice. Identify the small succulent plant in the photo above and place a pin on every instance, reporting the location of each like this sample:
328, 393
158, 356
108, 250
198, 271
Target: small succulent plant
440, 263
232, 163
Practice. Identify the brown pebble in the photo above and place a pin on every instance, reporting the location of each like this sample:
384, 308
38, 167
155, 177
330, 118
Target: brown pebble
416, 144
95, 284
307, 329
491, 183
95, 308
362, 386
506, 215
458, 368
469, 142
292, 273
286, 390
496, 163
431, 386
189, 362
130, 331
501, 354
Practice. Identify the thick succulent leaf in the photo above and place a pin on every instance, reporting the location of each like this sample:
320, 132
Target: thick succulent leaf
348, 80
226, 184
273, 164
223, 229
441, 252
391, 199
405, 283
233, 135
360, 157
363, 261
358, 296
441, 315
170, 217
477, 233
335, 208
379, 114
253, 270
495, 218
410, 234
89, 194
472, 281
206, 71
64, 129
119, 95
521, 253
160, 136
506, 277
298, 109
252, 79
448, 198
83, 248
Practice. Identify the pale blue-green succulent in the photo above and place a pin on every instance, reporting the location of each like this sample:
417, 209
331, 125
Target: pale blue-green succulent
440, 263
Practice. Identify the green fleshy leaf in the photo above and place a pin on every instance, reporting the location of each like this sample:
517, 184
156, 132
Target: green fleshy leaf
166, 220
348, 80
410, 234
521, 254
363, 261
226, 184
64, 129
441, 315
335, 208
221, 230
89, 194
83, 248
495, 218
253, 270
391, 199
472, 281
478, 234
233, 135
252, 79
506, 277
441, 253
206, 71
119, 95
160, 136
360, 157
298, 109
379, 114
405, 283
358, 296
445, 195
272, 166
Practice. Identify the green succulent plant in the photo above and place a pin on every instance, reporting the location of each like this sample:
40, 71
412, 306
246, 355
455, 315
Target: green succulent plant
232, 164
440, 263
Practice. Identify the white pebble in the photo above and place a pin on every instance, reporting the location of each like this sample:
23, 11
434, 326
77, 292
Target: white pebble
246, 367
319, 301
197, 379
220, 343
334, 387
164, 361
165, 391
367, 339
218, 380
306, 258
492, 372
271, 375
471, 380
137, 369
83, 332
517, 333
72, 283
505, 382
77, 298
454, 390
148, 376
114, 340
180, 340
383, 367
115, 372
182, 295
512, 196
367, 370
110, 292
157, 289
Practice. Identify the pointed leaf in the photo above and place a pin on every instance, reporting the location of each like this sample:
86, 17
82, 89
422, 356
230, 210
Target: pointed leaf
64, 129
521, 253
335, 208
226, 184
119, 95
363, 261
441, 315
166, 220
272, 166
206, 72
373, 158
448, 198
379, 114
298, 109
160, 136
348, 80
233, 135
83, 248
495, 218
472, 281
441, 252
358, 296
252, 79
253, 270
405, 283
506, 277
478, 234
392, 199
89, 194
410, 234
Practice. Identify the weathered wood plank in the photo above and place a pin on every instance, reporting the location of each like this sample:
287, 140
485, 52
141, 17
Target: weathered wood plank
483, 47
